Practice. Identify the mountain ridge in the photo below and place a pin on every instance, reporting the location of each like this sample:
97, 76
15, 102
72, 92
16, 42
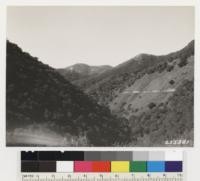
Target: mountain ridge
81, 70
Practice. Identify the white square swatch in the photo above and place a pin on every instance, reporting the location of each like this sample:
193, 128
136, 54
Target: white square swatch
64, 166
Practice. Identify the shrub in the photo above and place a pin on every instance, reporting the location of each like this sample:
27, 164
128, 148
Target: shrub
151, 105
161, 67
171, 82
183, 62
170, 59
170, 68
150, 70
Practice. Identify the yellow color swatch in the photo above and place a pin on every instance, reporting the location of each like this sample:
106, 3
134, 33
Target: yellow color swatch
119, 166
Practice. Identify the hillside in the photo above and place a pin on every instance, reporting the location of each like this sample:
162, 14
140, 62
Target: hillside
82, 71
109, 85
155, 93
170, 120
43, 108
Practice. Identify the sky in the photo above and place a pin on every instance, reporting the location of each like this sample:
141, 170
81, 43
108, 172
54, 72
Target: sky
61, 36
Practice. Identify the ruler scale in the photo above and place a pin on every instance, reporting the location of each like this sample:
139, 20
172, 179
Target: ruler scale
102, 166
106, 177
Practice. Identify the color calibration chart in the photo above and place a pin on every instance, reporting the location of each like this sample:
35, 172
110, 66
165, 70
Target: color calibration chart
102, 166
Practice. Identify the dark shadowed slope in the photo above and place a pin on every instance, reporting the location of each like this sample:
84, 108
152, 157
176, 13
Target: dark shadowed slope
36, 95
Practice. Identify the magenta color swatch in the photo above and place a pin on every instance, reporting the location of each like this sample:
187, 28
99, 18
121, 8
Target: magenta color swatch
83, 166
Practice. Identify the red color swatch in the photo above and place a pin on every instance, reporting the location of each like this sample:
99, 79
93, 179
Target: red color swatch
101, 166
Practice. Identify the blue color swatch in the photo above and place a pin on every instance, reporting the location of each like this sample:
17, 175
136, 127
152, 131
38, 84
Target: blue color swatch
155, 166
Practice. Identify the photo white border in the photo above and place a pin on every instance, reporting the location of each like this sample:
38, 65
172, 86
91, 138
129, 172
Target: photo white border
193, 153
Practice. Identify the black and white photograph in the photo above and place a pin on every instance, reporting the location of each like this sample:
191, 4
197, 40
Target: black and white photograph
101, 76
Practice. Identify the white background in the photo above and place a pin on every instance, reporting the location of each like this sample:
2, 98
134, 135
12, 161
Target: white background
10, 157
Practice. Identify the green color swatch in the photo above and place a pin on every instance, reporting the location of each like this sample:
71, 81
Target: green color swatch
138, 166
